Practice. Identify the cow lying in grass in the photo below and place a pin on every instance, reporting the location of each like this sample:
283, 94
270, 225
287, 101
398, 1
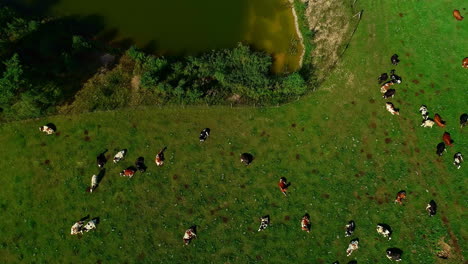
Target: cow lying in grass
79, 227
190, 234
353, 245
391, 108
427, 123
431, 208
463, 120
305, 223
283, 185
424, 112
457, 159
384, 230
447, 139
465, 63
394, 254
246, 158
439, 120
159, 160
350, 228
120, 155
401, 195
204, 134
49, 129
265, 221
129, 172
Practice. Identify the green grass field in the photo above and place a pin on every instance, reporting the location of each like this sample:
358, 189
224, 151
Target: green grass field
345, 155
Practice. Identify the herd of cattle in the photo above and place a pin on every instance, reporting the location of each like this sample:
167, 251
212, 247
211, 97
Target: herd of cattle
246, 158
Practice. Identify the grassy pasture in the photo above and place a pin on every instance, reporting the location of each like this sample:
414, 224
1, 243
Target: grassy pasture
345, 155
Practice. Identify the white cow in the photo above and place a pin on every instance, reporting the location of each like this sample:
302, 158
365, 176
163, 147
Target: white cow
94, 183
90, 225
384, 231
46, 129
427, 123
77, 228
120, 155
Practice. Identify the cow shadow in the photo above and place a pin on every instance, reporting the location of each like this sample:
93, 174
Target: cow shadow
85, 218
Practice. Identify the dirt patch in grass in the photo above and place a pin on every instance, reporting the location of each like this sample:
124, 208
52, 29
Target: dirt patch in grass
225, 219
175, 177
373, 125
325, 195
401, 14
287, 218
371, 101
415, 81
388, 140
293, 125
298, 157
369, 156
86, 132
87, 139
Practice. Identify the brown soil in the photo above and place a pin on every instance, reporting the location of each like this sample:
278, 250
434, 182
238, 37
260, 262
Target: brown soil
388, 140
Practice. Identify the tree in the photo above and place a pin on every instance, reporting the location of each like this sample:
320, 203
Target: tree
12, 80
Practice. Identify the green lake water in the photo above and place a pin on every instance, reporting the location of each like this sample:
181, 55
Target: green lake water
181, 27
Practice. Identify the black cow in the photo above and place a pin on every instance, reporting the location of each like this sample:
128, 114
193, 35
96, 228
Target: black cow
246, 158
204, 134
383, 77
101, 159
350, 228
394, 254
440, 148
463, 120
140, 164
389, 93
431, 208
395, 59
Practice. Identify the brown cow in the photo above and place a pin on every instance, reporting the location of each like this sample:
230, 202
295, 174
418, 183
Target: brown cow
400, 196
457, 15
386, 86
447, 139
439, 120
465, 63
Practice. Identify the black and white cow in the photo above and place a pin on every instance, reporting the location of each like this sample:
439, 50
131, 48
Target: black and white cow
383, 77
424, 112
457, 159
140, 164
389, 93
395, 59
190, 234
394, 254
265, 221
395, 78
385, 230
431, 208
120, 155
204, 134
353, 245
441, 148
246, 158
463, 120
350, 228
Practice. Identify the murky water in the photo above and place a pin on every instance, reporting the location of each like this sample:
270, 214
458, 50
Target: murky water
180, 27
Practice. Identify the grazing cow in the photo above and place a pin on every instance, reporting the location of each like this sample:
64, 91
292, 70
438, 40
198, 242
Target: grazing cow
439, 120
463, 120
190, 234
383, 77
120, 155
395, 59
91, 224
49, 129
353, 245
204, 134
431, 208
391, 108
440, 148
283, 185
77, 228
140, 164
389, 93
265, 221
427, 123
395, 78
447, 139
384, 230
305, 223
129, 172
457, 159
394, 254
350, 228
159, 160
386, 86
457, 15
401, 195
336, 262
101, 159
424, 112
94, 183
465, 63
246, 158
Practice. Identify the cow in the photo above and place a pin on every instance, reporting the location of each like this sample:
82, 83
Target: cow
353, 245
101, 159
395, 59
424, 112
427, 123
350, 228
447, 139
140, 164
431, 208
283, 185
336, 262
305, 223
91, 224
383, 77
77, 228
391, 108
439, 120
129, 172
457, 15
94, 183
394, 78
120, 155
463, 120
457, 159
386, 86
465, 63
440, 148
265, 221
159, 160
389, 93
246, 158
49, 129
190, 234
401, 195
204, 134
385, 230
394, 254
